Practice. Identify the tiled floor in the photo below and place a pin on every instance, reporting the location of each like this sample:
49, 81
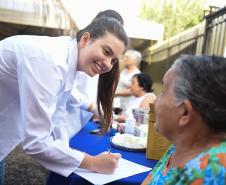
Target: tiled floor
23, 170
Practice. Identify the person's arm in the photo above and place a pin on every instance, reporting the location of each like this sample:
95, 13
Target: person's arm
82, 101
102, 163
94, 109
120, 118
39, 83
147, 100
124, 92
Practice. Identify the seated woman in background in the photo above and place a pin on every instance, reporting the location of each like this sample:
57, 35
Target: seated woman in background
191, 113
141, 89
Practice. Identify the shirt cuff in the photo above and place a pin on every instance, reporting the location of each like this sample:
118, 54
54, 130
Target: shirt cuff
85, 105
76, 155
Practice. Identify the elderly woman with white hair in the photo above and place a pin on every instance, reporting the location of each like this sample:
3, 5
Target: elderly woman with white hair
131, 61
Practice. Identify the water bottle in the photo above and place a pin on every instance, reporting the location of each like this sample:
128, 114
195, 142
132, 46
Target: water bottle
130, 124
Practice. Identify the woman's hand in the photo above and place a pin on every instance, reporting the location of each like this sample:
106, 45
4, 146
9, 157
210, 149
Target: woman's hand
105, 163
119, 127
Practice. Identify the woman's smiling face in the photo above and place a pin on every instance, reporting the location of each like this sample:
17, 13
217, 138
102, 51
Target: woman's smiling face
98, 56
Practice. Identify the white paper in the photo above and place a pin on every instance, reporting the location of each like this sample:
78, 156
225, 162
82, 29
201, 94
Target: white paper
121, 172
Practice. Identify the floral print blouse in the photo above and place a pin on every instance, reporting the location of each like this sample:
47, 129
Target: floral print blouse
208, 168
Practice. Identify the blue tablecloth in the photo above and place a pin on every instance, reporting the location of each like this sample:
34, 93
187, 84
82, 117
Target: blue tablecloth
95, 144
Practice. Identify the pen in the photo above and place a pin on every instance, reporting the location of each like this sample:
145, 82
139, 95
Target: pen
109, 149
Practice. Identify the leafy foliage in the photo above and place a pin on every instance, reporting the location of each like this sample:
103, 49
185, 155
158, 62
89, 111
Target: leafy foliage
175, 15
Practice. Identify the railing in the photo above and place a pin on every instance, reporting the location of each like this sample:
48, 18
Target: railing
215, 33
208, 37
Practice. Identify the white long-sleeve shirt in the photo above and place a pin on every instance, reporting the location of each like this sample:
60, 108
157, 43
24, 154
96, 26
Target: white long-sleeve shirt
36, 77
83, 94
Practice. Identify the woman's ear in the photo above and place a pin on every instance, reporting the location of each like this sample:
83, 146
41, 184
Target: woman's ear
186, 112
84, 39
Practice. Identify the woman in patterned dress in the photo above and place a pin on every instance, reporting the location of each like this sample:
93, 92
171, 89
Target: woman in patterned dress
191, 113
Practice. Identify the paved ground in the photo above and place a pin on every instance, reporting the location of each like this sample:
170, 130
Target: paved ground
23, 170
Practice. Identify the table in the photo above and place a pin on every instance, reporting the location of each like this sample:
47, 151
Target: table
95, 144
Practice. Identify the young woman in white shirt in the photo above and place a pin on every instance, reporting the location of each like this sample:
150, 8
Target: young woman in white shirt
36, 77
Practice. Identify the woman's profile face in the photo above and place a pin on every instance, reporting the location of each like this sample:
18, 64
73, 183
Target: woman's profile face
98, 56
135, 88
167, 110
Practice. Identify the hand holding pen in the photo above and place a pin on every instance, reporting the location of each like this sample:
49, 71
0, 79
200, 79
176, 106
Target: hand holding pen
105, 162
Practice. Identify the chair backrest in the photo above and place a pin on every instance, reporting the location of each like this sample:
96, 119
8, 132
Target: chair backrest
157, 144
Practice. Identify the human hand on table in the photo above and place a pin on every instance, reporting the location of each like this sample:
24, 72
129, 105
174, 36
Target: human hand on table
119, 127
104, 162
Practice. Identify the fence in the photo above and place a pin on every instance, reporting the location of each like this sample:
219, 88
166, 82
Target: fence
215, 33
208, 37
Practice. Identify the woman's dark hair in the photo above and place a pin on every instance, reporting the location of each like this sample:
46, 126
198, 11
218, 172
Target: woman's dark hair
107, 83
144, 81
103, 25
202, 80
110, 14
105, 94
